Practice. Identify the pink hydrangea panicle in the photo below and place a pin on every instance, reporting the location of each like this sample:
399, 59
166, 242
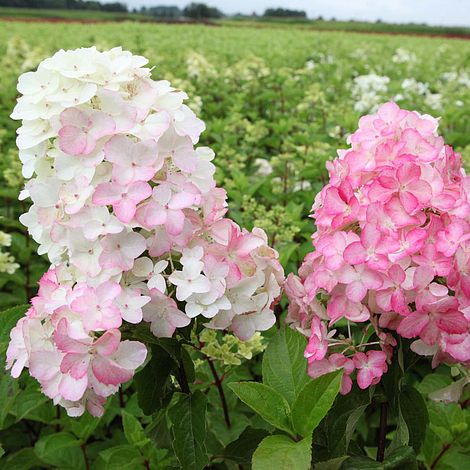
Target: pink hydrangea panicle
391, 250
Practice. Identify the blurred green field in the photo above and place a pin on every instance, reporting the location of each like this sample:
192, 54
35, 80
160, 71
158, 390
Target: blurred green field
277, 102
255, 22
277, 105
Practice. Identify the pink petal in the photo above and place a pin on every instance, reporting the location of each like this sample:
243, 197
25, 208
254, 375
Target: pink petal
107, 193
109, 373
453, 322
355, 253
356, 291
412, 325
139, 191
72, 140
125, 210
108, 343
174, 222
73, 389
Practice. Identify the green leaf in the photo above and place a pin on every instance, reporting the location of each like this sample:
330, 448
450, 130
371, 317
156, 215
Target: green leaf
361, 463
84, 426
284, 364
153, 381
415, 414
60, 450
332, 464
266, 401
314, 402
133, 430
341, 421
24, 459
281, 452
401, 458
241, 450
29, 400
119, 458
188, 426
8, 319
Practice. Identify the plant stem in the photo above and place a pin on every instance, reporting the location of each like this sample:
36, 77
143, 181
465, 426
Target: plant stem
382, 432
218, 384
183, 380
439, 456
121, 398
277, 313
85, 457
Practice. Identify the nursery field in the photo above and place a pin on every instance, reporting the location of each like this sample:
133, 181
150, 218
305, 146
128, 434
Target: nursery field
277, 104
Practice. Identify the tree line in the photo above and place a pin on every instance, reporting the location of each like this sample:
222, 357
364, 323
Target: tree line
193, 10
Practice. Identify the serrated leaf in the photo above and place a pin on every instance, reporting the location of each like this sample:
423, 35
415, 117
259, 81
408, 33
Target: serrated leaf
28, 401
60, 450
314, 402
24, 459
124, 457
415, 414
241, 450
153, 381
284, 364
282, 452
342, 420
133, 430
188, 426
402, 457
266, 401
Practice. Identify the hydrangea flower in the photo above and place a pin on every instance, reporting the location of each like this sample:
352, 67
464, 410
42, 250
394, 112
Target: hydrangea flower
129, 214
391, 251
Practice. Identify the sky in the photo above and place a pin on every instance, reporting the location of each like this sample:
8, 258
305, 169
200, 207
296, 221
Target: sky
436, 12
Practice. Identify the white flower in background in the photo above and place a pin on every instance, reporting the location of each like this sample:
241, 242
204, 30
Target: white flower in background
7, 261
368, 91
411, 85
403, 56
310, 65
264, 168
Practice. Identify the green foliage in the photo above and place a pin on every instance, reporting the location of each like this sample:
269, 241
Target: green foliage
281, 452
277, 104
284, 365
188, 425
267, 402
314, 401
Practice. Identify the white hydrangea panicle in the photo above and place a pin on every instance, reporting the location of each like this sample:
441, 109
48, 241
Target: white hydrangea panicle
129, 214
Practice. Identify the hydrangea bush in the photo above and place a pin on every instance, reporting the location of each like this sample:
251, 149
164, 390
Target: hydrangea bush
128, 212
391, 252
204, 396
